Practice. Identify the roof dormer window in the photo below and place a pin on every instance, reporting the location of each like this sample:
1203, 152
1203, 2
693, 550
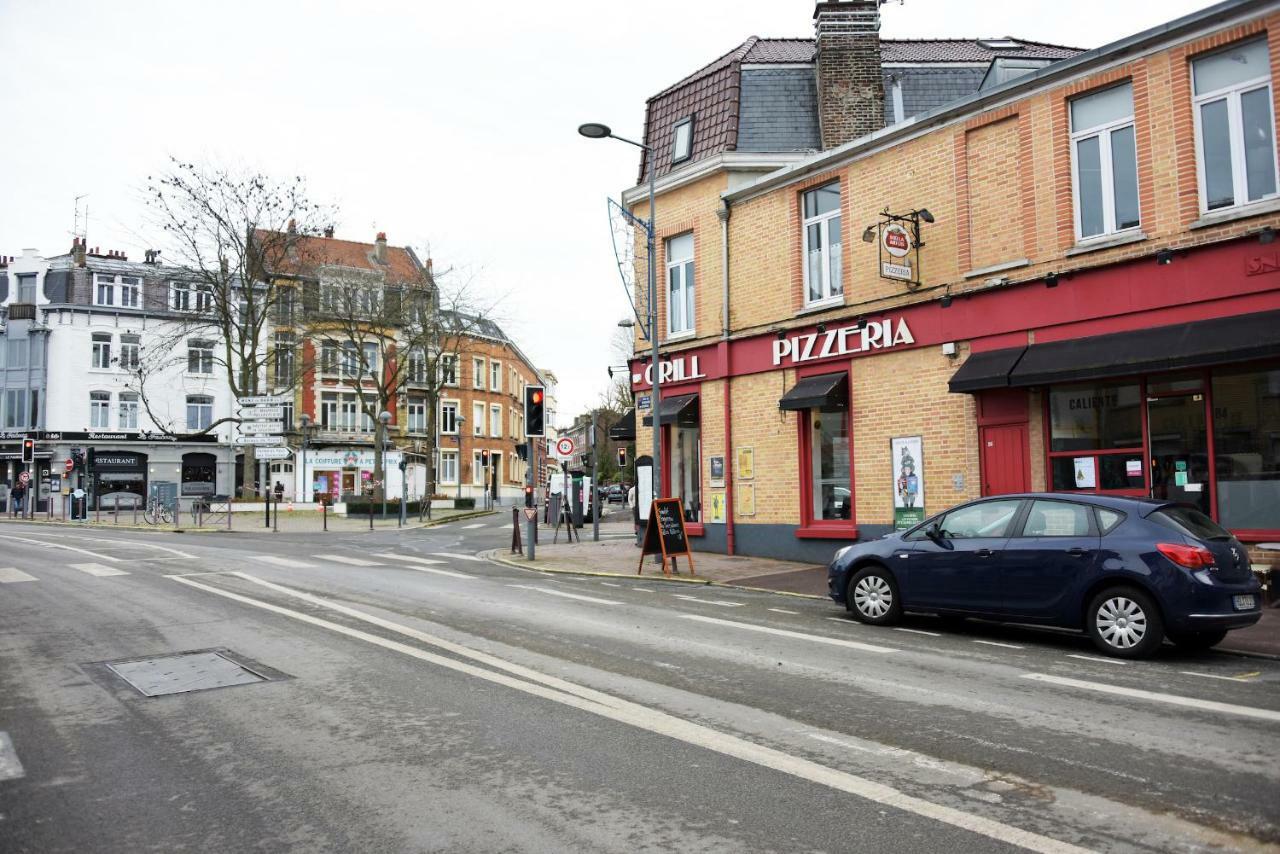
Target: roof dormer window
682, 140
1000, 44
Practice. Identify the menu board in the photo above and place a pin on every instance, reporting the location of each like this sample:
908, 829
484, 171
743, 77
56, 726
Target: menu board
664, 534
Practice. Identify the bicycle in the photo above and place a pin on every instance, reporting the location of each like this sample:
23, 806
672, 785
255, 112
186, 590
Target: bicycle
157, 512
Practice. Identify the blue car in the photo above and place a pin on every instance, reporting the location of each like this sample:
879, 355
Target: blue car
1130, 572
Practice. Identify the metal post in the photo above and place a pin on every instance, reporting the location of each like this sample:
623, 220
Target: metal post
653, 325
265, 481
371, 511
404, 489
306, 478
595, 487
324, 514
529, 481
275, 518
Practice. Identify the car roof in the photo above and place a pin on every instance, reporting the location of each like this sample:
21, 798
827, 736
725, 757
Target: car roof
1119, 502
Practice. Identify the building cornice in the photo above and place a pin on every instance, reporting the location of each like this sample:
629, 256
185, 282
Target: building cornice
728, 161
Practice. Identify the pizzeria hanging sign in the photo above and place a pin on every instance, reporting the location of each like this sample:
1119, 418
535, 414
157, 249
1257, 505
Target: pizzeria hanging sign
900, 244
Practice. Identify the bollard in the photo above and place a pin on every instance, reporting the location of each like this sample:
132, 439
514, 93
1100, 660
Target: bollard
135, 510
275, 518
115, 512
324, 514
370, 512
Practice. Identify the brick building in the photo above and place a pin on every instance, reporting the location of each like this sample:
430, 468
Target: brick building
1066, 277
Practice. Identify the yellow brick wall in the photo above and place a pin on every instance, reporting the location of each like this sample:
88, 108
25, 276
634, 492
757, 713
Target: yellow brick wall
991, 155
759, 424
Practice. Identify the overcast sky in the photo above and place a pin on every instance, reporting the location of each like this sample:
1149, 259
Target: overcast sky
451, 126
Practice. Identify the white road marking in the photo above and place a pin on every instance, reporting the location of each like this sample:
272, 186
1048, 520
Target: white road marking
97, 569
643, 590
723, 603
689, 598
49, 545
997, 643
10, 767
917, 632
1097, 658
456, 556
174, 552
283, 561
349, 561
783, 611
473, 527
1171, 699
641, 717
865, 647
409, 558
551, 592
844, 621
1236, 679
610, 584
9, 575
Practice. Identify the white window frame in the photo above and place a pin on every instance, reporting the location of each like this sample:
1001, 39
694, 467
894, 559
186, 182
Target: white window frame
349, 413
99, 410
448, 461
417, 367
477, 469
417, 414
449, 369
495, 375
680, 154
495, 420
687, 273
823, 221
1103, 132
130, 351
128, 407
204, 404
449, 424
329, 410
1235, 128
130, 291
202, 350
477, 418
100, 344
102, 281
477, 372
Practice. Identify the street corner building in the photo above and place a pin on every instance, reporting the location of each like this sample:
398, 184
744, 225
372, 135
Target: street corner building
74, 331
894, 276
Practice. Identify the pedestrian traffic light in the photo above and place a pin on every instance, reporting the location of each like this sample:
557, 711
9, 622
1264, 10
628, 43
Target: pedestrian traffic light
28, 450
622, 458
535, 398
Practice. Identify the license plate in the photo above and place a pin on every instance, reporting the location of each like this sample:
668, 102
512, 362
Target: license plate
1243, 603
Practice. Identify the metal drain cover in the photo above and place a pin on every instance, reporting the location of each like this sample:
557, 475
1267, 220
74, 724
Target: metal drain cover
178, 674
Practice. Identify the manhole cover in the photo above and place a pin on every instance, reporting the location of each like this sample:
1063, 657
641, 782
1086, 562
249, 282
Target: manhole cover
178, 674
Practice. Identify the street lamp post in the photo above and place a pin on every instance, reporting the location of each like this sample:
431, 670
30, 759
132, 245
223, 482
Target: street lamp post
593, 130
384, 418
461, 421
305, 421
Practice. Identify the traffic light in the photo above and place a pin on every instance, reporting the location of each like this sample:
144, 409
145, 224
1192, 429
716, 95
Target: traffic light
28, 450
484, 457
90, 459
528, 496
535, 399
622, 458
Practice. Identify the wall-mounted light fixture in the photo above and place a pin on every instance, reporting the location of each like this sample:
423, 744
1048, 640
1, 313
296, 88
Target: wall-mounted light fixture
869, 234
1267, 235
1164, 256
782, 334
1051, 280
822, 328
946, 299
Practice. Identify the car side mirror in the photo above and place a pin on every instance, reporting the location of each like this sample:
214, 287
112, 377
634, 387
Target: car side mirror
934, 533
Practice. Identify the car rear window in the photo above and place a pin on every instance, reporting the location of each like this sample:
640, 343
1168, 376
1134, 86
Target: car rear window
1190, 521
1108, 520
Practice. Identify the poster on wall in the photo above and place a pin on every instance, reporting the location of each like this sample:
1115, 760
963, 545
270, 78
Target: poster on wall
1086, 475
716, 467
746, 505
907, 454
746, 463
717, 507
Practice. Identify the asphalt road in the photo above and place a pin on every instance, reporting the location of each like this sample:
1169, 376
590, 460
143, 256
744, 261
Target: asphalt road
450, 704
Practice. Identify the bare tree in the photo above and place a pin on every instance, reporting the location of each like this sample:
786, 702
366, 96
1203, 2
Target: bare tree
225, 229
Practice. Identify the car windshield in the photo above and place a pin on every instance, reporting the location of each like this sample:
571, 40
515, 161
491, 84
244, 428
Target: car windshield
1190, 521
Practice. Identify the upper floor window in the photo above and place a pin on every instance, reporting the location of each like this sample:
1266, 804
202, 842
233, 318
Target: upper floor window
417, 415
199, 357
682, 140
328, 358
104, 292
27, 289
417, 367
284, 361
495, 376
101, 350
449, 416
1235, 144
448, 369
477, 373
130, 352
370, 350
128, 417
1106, 162
680, 284
495, 420
130, 291
100, 410
186, 296
477, 419
823, 271
199, 411
350, 360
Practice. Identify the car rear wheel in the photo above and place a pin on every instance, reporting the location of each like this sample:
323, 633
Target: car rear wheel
1198, 640
873, 596
1125, 622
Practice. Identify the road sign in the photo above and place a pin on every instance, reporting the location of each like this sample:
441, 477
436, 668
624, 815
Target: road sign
565, 446
272, 413
531, 513
71, 465
273, 453
260, 428
260, 440
24, 478
265, 400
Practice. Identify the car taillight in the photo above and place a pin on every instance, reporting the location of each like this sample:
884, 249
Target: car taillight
1192, 557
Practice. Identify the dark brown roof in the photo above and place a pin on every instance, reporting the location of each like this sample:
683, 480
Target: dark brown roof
712, 93
308, 253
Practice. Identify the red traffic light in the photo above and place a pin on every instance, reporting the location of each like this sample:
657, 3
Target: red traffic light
537, 395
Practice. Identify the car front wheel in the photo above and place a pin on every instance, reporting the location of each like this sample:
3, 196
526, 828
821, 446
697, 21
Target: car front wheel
873, 596
1125, 622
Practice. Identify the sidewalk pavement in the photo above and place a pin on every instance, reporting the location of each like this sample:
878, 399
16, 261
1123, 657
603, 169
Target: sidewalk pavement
616, 555
252, 522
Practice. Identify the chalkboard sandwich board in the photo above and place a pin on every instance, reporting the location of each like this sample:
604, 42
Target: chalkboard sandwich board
664, 534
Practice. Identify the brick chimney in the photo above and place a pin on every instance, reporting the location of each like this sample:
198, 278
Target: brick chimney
328, 231
380, 248
850, 86
78, 251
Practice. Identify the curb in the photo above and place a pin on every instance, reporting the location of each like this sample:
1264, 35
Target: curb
458, 518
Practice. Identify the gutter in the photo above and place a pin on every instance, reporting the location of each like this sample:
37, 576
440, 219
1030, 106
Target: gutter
723, 215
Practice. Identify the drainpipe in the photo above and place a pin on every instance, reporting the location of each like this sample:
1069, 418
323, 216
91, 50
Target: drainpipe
723, 215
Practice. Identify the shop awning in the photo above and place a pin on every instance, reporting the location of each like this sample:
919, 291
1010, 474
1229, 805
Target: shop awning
828, 391
625, 428
1188, 345
681, 409
986, 370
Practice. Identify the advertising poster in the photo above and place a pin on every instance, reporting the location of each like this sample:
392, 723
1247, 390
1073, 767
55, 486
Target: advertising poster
907, 453
717, 507
716, 467
746, 499
1086, 473
746, 463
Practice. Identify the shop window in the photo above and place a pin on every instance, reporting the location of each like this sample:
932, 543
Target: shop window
680, 284
1095, 437
823, 271
1106, 162
1235, 144
686, 455
832, 497
1246, 443
199, 474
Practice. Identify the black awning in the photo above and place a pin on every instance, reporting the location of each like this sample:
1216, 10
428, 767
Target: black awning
681, 410
624, 430
986, 370
828, 391
1200, 344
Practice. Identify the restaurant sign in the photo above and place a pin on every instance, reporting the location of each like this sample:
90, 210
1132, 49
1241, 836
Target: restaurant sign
855, 338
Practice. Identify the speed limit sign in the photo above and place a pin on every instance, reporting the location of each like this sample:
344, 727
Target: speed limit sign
564, 447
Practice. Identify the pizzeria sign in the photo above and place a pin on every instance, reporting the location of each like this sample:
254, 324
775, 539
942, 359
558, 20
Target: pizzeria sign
856, 338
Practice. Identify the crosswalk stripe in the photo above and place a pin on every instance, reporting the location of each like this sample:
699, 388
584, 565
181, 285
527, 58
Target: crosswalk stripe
473, 527
416, 563
9, 575
283, 561
456, 556
410, 558
350, 561
97, 569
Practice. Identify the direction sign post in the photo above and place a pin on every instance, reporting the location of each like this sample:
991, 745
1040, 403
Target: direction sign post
273, 452
260, 440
